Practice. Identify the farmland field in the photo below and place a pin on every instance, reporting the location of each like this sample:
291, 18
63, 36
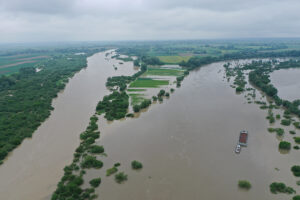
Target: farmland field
148, 83
12, 64
173, 59
164, 72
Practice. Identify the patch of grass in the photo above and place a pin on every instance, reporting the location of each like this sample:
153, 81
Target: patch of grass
279, 131
121, 177
284, 145
285, 122
91, 162
164, 72
244, 184
281, 188
136, 98
111, 171
148, 83
95, 182
296, 170
174, 59
136, 165
136, 90
96, 149
297, 124
278, 116
297, 140
297, 197
293, 132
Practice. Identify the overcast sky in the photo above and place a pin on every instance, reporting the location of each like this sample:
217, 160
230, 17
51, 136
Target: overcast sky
98, 20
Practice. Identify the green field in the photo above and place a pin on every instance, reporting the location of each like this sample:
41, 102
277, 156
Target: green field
136, 90
14, 69
136, 98
173, 59
164, 72
12, 64
148, 83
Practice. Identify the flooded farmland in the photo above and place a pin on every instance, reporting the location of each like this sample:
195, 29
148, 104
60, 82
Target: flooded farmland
187, 146
186, 143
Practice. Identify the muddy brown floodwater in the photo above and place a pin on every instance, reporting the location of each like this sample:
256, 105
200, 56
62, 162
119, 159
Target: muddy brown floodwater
33, 170
186, 144
287, 82
187, 147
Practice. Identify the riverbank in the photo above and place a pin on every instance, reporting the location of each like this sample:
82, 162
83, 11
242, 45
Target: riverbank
174, 142
53, 144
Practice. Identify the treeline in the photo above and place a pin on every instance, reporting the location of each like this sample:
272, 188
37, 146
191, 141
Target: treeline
25, 97
150, 60
197, 61
114, 105
259, 54
260, 78
85, 157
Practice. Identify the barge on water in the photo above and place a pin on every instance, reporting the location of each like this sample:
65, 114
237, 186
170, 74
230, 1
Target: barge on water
242, 141
243, 138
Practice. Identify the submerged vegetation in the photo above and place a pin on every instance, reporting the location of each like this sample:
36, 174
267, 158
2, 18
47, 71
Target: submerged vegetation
260, 78
244, 184
111, 171
276, 187
296, 170
70, 185
25, 100
284, 145
121, 177
136, 165
279, 131
95, 182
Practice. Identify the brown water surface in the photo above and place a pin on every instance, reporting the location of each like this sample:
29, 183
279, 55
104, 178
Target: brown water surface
287, 81
186, 144
187, 147
32, 171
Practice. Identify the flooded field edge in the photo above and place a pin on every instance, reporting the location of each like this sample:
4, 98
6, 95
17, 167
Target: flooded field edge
186, 144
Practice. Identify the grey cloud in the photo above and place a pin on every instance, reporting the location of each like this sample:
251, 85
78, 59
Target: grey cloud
55, 20
37, 6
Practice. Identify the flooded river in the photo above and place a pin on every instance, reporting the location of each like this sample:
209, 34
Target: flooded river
187, 147
32, 171
287, 82
186, 144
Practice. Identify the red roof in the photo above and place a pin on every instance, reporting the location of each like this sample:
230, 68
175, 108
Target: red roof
243, 137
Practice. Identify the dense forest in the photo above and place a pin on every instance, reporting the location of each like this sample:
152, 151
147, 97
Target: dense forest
25, 97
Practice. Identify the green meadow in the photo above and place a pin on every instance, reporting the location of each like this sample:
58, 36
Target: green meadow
136, 98
173, 59
136, 90
148, 83
164, 72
